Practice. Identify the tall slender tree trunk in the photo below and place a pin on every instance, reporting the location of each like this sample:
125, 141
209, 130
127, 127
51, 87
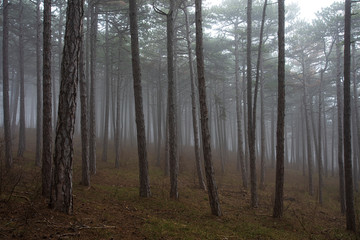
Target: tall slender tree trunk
38, 87
209, 170
140, 123
279, 189
47, 107
262, 127
199, 170
118, 125
61, 197
107, 91
240, 149
22, 135
7, 128
340, 126
85, 168
251, 113
92, 126
350, 212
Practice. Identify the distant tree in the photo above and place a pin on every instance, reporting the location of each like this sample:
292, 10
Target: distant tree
47, 108
350, 211
139, 114
279, 187
209, 170
61, 197
7, 129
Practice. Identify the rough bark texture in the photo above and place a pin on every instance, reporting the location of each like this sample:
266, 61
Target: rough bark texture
349, 191
251, 122
38, 87
7, 129
47, 107
279, 186
92, 127
21, 147
61, 197
193, 106
209, 170
139, 114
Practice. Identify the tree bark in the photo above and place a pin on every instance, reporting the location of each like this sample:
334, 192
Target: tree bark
61, 197
209, 170
279, 190
7, 128
350, 212
140, 124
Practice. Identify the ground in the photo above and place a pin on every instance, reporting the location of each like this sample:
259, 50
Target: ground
112, 209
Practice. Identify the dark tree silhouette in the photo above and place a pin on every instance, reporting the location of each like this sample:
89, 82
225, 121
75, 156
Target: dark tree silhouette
209, 170
139, 114
278, 206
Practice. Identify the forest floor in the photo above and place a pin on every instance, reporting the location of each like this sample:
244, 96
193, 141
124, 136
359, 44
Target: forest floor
112, 209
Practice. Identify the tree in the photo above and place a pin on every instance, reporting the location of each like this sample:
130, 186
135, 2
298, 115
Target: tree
21, 147
85, 180
349, 194
47, 108
92, 126
279, 187
38, 85
61, 197
139, 114
209, 170
251, 122
7, 129
193, 105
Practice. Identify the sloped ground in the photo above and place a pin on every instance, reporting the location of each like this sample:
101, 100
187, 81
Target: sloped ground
111, 208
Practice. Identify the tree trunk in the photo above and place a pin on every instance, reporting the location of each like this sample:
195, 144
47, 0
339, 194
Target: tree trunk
193, 107
350, 212
251, 113
47, 108
38, 87
22, 140
85, 170
7, 128
140, 124
61, 197
240, 149
340, 126
92, 126
107, 91
209, 170
279, 190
